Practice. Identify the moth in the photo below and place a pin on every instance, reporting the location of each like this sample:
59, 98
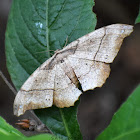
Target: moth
85, 61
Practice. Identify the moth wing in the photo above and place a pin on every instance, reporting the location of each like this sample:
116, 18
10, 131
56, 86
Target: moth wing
95, 51
112, 41
102, 44
65, 91
36, 92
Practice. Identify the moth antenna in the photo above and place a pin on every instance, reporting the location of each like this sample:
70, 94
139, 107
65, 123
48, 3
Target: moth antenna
46, 51
66, 42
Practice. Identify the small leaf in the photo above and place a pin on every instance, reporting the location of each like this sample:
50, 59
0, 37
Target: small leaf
125, 124
35, 28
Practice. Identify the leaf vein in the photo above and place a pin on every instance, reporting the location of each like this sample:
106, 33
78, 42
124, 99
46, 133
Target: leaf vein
62, 7
127, 133
36, 10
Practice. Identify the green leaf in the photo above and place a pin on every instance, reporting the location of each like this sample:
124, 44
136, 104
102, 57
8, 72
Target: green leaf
125, 124
138, 18
35, 27
8, 130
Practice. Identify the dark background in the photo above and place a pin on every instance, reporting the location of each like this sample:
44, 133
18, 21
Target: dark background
98, 106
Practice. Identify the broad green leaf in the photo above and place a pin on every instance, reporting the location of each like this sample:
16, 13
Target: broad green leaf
8, 130
138, 18
35, 28
125, 124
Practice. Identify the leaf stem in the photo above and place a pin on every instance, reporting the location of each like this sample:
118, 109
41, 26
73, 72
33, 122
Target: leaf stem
7, 82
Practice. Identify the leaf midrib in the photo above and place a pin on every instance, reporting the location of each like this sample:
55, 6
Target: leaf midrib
65, 124
47, 29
